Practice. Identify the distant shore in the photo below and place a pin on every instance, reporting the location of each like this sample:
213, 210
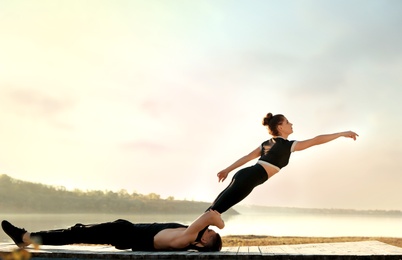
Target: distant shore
251, 240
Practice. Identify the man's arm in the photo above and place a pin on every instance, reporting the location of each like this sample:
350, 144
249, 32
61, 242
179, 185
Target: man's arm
210, 217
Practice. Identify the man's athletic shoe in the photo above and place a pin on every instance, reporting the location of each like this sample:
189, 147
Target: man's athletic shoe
14, 232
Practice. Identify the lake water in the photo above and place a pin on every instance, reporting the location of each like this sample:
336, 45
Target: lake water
271, 224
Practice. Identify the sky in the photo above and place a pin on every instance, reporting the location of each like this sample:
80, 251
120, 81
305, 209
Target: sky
159, 96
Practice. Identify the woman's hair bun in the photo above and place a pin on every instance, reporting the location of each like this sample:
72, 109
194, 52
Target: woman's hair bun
266, 119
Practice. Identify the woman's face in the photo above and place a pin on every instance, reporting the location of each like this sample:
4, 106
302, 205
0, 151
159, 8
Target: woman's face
286, 127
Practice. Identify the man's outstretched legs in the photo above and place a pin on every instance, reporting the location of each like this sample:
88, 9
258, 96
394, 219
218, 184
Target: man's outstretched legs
117, 233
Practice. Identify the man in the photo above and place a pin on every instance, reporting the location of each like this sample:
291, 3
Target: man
123, 234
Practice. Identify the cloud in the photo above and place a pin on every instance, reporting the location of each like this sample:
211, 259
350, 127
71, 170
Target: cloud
37, 105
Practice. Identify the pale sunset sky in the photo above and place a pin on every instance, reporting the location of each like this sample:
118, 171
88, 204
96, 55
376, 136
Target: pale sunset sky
159, 96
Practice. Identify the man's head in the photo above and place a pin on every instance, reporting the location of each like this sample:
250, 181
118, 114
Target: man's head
211, 241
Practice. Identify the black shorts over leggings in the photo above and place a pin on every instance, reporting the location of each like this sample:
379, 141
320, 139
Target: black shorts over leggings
242, 184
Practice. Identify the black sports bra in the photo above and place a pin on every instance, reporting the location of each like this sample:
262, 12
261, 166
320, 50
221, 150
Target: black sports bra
276, 151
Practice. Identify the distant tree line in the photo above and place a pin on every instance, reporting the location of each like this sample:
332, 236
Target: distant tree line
18, 196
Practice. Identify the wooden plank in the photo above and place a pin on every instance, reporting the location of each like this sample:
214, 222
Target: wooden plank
243, 250
336, 251
230, 250
272, 250
290, 250
254, 250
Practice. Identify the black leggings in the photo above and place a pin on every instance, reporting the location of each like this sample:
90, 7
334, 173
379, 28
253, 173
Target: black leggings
119, 233
242, 184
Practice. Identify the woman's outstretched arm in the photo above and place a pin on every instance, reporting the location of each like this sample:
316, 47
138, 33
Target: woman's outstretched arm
322, 139
252, 155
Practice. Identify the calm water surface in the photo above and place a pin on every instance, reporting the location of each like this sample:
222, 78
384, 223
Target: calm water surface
281, 224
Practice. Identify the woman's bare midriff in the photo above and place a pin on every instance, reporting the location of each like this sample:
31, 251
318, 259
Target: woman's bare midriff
271, 171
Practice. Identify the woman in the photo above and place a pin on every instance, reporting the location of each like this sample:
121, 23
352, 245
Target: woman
273, 155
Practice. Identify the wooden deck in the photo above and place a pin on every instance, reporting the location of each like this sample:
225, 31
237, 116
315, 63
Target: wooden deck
328, 251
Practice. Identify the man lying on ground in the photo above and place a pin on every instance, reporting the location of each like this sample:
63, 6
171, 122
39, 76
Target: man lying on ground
123, 234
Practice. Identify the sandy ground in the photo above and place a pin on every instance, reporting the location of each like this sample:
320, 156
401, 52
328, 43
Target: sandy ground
251, 240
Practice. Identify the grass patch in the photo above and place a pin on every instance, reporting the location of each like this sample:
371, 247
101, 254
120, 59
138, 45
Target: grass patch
251, 240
